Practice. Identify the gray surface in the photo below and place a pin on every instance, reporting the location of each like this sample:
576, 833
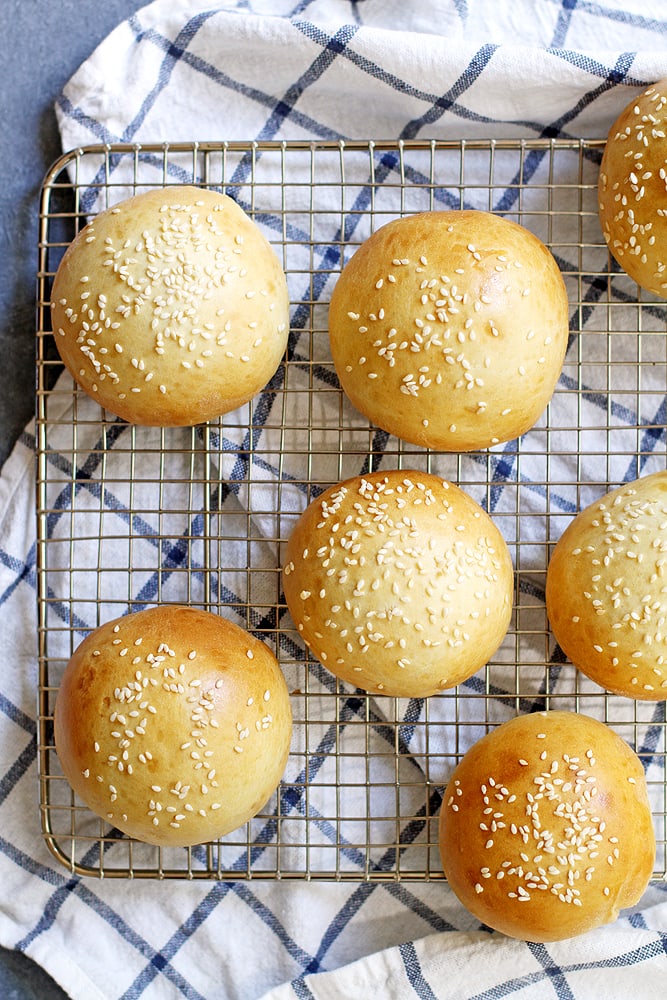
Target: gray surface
44, 41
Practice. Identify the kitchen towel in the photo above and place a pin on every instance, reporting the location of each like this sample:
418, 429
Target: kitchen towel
327, 69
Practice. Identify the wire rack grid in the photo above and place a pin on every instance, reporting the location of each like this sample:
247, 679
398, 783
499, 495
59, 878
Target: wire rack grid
130, 516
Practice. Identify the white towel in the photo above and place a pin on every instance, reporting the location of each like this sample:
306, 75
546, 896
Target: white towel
189, 70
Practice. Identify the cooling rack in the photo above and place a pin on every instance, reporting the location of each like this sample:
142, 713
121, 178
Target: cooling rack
129, 516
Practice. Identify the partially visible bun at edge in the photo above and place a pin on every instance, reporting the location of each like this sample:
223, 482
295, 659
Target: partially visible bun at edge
631, 189
606, 591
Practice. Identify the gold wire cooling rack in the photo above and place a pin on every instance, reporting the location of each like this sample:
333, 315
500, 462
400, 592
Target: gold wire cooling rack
129, 516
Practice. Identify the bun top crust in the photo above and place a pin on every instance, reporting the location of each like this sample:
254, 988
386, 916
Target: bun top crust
449, 329
606, 590
631, 189
171, 308
399, 583
546, 829
173, 724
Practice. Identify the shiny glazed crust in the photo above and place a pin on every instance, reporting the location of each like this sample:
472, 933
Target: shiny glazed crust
173, 724
399, 583
171, 308
631, 189
546, 830
449, 329
606, 591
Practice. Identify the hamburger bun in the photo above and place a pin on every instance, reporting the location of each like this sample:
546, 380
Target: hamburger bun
399, 583
546, 830
449, 329
631, 189
173, 724
606, 591
171, 308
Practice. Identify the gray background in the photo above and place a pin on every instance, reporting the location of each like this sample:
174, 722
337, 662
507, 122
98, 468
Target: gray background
44, 42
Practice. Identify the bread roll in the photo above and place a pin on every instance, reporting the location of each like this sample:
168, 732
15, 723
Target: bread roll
399, 583
606, 592
546, 830
449, 329
171, 308
173, 724
631, 189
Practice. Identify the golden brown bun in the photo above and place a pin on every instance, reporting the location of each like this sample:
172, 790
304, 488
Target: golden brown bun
399, 583
171, 308
546, 830
606, 591
449, 329
173, 724
631, 189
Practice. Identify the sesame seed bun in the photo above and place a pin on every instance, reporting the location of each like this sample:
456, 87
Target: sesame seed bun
631, 189
606, 590
546, 829
399, 583
449, 329
173, 724
171, 308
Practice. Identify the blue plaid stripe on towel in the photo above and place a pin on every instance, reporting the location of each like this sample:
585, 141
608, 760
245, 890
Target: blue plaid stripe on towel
186, 70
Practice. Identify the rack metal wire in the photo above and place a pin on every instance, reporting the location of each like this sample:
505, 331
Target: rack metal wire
129, 516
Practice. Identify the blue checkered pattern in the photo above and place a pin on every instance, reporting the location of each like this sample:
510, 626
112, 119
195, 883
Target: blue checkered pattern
188, 69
